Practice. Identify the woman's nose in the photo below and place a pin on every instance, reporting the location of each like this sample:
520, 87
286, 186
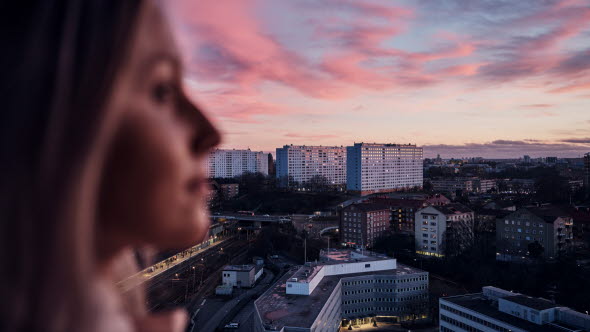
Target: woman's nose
204, 136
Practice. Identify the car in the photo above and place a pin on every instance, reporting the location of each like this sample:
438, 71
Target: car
232, 326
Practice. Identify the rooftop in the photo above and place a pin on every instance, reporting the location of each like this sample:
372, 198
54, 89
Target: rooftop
367, 207
480, 304
245, 268
453, 208
278, 309
532, 302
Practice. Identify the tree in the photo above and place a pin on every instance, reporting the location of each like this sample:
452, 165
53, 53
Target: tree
318, 183
535, 249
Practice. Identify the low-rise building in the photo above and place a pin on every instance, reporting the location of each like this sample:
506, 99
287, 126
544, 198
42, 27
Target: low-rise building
463, 185
486, 219
241, 275
547, 225
498, 310
363, 223
443, 230
403, 210
229, 190
345, 287
581, 230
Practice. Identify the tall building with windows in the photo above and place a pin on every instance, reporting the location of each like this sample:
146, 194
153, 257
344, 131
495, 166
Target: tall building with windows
373, 168
587, 173
345, 288
300, 164
499, 310
442, 230
232, 163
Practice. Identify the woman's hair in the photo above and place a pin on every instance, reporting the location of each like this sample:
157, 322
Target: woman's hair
59, 61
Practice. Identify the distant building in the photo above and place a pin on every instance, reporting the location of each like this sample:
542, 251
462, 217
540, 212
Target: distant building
271, 166
442, 230
374, 168
241, 275
500, 205
548, 225
581, 231
574, 185
345, 288
486, 219
463, 185
437, 200
403, 210
521, 186
363, 223
229, 190
526, 159
232, 163
551, 160
300, 164
587, 173
495, 309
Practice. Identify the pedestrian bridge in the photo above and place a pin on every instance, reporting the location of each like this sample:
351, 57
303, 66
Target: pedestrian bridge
329, 229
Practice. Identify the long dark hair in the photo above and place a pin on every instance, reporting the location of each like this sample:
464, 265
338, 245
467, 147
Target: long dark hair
59, 60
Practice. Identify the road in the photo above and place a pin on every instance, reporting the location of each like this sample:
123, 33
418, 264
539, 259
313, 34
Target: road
211, 314
162, 266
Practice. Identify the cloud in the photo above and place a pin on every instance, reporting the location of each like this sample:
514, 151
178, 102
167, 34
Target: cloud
537, 105
585, 140
511, 148
341, 49
310, 137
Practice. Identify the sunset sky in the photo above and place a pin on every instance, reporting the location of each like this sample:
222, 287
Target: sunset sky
461, 78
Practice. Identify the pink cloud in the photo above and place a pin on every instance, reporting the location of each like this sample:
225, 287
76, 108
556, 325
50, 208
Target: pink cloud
572, 88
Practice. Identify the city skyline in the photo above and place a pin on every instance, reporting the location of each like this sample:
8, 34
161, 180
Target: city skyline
459, 79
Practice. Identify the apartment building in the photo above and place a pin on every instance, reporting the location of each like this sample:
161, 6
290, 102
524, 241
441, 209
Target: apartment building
499, 310
403, 210
361, 224
442, 230
299, 164
548, 225
232, 163
465, 185
373, 168
587, 173
346, 287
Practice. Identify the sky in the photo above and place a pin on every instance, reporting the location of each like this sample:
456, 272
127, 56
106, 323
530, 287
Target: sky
494, 79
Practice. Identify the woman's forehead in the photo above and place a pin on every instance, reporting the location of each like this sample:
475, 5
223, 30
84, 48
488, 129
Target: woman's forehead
153, 33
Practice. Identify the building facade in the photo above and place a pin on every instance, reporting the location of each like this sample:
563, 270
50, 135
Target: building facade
298, 165
362, 224
373, 168
346, 287
403, 210
498, 310
241, 275
587, 173
546, 225
232, 163
442, 230
465, 185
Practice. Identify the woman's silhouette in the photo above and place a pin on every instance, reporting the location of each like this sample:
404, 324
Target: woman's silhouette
101, 152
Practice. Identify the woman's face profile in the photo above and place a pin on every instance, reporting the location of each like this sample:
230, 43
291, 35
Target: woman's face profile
153, 184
